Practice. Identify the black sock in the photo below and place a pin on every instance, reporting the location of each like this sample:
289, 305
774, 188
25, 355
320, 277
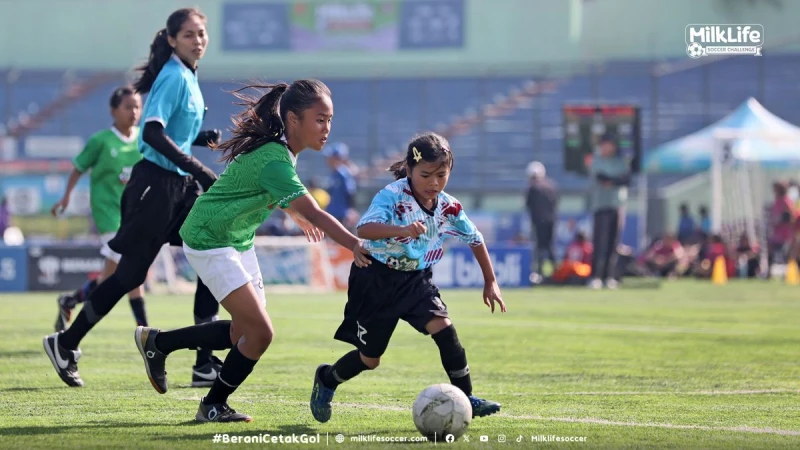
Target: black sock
206, 308
346, 368
204, 354
454, 359
139, 313
233, 373
82, 293
100, 302
212, 335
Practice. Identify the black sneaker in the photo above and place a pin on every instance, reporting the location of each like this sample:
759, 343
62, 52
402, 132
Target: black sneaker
153, 359
204, 376
219, 412
65, 306
321, 397
64, 361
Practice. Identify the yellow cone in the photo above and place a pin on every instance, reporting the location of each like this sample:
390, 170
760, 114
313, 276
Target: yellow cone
719, 273
792, 273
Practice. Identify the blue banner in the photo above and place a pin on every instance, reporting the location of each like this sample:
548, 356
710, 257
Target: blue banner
255, 27
13, 269
431, 24
364, 25
459, 269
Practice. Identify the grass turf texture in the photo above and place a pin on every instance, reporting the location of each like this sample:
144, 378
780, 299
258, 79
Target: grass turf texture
686, 366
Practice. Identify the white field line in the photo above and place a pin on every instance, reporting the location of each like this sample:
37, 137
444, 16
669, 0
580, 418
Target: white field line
556, 325
587, 420
664, 393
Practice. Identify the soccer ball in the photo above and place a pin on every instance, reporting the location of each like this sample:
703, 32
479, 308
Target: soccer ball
440, 410
695, 50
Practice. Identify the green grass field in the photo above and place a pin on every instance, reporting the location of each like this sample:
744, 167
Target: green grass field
686, 366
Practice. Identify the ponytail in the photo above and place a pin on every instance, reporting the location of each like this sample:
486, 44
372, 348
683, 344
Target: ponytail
260, 123
399, 169
160, 52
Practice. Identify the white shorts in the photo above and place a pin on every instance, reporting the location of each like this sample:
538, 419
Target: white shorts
224, 270
106, 250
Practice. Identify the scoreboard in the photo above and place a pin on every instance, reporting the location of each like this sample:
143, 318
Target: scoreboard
584, 125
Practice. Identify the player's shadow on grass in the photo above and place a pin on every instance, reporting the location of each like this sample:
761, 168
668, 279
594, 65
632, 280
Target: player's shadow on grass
30, 389
20, 353
44, 430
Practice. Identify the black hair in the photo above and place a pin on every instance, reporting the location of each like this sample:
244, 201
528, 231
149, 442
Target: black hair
429, 147
703, 210
119, 94
160, 50
265, 117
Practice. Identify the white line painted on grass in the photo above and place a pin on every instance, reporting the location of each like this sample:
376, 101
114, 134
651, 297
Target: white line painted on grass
587, 420
739, 429
556, 325
600, 393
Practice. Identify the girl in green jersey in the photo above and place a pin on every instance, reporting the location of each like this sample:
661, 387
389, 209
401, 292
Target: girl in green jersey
110, 155
218, 234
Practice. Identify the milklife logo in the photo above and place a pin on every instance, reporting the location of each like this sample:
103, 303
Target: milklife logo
732, 39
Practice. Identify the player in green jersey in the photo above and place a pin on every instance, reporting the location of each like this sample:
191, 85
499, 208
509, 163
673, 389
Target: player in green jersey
219, 231
110, 155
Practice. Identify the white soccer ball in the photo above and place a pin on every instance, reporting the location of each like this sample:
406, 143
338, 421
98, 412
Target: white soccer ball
695, 50
440, 410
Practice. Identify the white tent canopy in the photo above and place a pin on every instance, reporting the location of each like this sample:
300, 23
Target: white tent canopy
752, 133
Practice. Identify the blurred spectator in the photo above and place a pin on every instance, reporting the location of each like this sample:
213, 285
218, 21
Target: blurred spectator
705, 221
666, 257
542, 203
320, 195
781, 220
747, 257
342, 186
686, 225
610, 176
577, 263
5, 217
714, 249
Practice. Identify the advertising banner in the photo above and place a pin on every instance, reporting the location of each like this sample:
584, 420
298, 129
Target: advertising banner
459, 269
62, 268
13, 269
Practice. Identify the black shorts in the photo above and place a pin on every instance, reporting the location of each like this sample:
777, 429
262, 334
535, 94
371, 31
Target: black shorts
378, 297
154, 206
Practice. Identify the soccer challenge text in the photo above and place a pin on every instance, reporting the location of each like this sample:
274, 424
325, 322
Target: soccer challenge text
266, 438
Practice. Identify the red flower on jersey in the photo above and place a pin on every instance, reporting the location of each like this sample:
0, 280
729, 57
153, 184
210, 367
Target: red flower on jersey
402, 208
452, 209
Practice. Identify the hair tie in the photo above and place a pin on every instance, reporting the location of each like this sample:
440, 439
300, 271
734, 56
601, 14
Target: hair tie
417, 154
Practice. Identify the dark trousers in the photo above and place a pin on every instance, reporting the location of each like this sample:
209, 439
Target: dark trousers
543, 233
604, 239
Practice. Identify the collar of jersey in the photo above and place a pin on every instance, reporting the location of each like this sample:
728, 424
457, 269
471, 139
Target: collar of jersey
183, 63
429, 212
122, 137
291, 155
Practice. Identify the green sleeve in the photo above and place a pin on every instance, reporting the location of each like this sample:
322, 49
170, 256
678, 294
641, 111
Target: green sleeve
280, 179
87, 158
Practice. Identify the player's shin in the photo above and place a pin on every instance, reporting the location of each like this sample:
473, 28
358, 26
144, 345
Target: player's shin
234, 371
211, 335
346, 368
454, 359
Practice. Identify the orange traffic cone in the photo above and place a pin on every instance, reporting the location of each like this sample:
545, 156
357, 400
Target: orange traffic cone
719, 273
792, 273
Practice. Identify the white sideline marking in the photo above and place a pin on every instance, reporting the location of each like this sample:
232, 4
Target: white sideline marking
739, 429
588, 420
600, 393
556, 325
